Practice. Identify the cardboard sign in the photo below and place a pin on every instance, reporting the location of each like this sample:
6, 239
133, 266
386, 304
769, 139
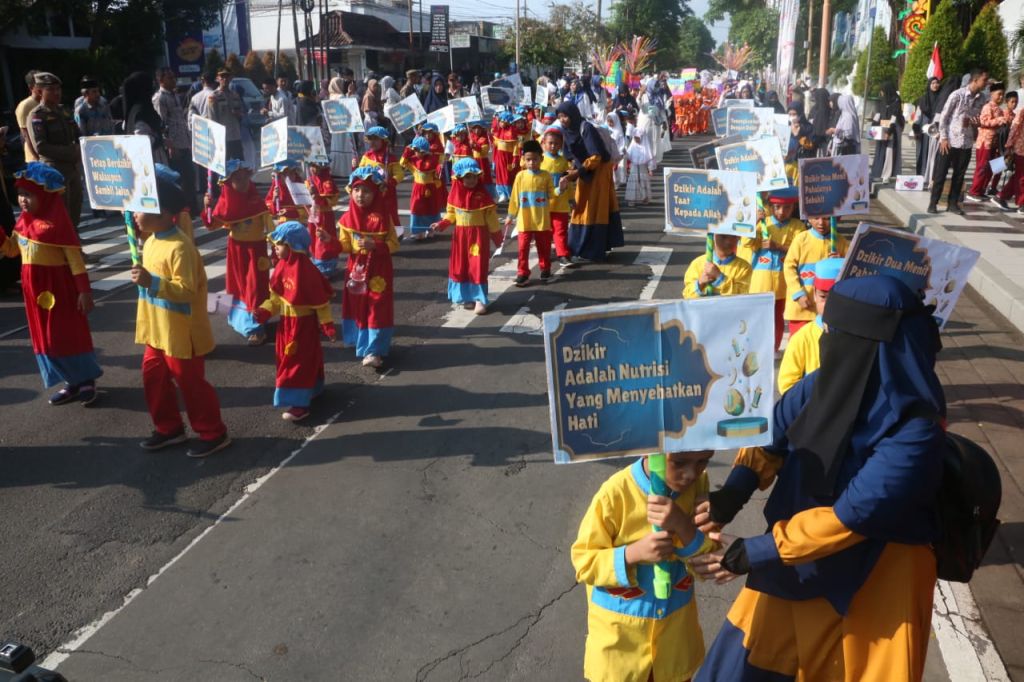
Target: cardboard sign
342, 115
512, 81
465, 109
119, 173
527, 96
719, 122
541, 96
209, 147
782, 129
494, 99
689, 74
635, 379
721, 202
305, 143
274, 142
726, 103
834, 186
300, 192
703, 155
936, 268
909, 183
762, 157
443, 118
406, 113
750, 123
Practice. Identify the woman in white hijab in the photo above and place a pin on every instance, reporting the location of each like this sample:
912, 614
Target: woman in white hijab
342, 147
388, 92
846, 134
619, 173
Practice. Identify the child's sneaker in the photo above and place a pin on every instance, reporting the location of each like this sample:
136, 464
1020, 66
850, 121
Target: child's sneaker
158, 440
205, 448
64, 395
521, 280
545, 275
295, 414
566, 262
372, 361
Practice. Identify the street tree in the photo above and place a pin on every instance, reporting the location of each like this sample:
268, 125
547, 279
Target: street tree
943, 28
986, 44
661, 20
540, 44
580, 28
695, 44
884, 68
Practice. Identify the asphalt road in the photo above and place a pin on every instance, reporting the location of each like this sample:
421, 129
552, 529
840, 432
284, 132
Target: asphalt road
420, 532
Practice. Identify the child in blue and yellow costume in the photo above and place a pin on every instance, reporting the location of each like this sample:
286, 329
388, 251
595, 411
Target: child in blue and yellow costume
802, 354
632, 636
724, 274
766, 252
840, 587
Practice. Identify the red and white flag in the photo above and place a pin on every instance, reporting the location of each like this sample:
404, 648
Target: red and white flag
935, 65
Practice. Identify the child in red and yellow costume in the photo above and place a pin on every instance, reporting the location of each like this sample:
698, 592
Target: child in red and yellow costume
379, 156
279, 198
324, 191
428, 195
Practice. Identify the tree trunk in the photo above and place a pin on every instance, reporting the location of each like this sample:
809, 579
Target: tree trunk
99, 17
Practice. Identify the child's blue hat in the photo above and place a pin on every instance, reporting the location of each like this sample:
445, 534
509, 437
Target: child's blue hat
235, 165
459, 129
377, 131
293, 233
826, 272
785, 195
430, 127
282, 166
474, 124
374, 174
465, 167
420, 144
47, 177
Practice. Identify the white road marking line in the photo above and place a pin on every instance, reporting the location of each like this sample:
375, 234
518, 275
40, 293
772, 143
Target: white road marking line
498, 282
525, 322
966, 649
82, 635
656, 258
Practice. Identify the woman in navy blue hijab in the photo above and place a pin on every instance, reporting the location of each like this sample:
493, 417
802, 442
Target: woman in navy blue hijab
840, 587
595, 227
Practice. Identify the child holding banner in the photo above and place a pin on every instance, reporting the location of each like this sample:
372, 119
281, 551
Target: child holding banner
55, 285
506, 153
631, 634
174, 326
368, 236
557, 165
242, 212
472, 211
802, 354
766, 252
301, 295
808, 247
324, 192
379, 155
529, 207
279, 198
428, 196
480, 142
724, 274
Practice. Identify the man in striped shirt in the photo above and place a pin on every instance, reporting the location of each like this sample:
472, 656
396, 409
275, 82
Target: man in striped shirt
957, 125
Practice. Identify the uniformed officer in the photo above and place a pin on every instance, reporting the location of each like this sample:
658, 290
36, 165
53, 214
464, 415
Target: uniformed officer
55, 137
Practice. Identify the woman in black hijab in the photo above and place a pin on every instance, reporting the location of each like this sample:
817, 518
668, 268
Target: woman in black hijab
625, 100
888, 156
821, 116
771, 100
437, 96
140, 118
926, 114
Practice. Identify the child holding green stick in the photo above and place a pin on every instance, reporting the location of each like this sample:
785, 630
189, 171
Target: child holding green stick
632, 634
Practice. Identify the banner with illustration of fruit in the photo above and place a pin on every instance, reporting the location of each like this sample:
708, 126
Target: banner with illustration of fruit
762, 157
702, 201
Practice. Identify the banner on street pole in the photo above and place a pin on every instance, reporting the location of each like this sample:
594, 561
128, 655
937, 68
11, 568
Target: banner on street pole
641, 378
342, 115
274, 142
834, 186
702, 201
439, 28
465, 109
305, 143
789, 12
405, 114
209, 146
762, 157
119, 173
750, 123
936, 268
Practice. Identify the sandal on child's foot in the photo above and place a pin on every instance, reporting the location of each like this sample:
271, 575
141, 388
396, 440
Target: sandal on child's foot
257, 339
479, 308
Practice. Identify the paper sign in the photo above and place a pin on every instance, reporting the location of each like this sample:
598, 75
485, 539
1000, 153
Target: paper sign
782, 129
342, 115
937, 268
688, 74
274, 142
406, 113
909, 183
763, 157
541, 97
750, 123
718, 121
493, 98
701, 201
300, 192
305, 143
834, 186
527, 96
209, 148
512, 81
465, 109
119, 173
634, 379
443, 118
726, 103
998, 165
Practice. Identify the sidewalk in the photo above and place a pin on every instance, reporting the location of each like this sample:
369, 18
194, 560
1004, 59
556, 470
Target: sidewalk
982, 369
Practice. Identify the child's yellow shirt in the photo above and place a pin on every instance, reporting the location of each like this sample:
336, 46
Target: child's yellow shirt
807, 248
802, 355
530, 201
557, 165
630, 633
765, 263
735, 277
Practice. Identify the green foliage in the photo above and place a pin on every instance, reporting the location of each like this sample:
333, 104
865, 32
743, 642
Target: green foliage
986, 46
883, 67
540, 44
661, 20
839, 69
758, 27
580, 28
695, 44
943, 28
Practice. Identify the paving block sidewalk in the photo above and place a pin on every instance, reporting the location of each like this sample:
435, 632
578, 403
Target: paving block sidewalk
982, 370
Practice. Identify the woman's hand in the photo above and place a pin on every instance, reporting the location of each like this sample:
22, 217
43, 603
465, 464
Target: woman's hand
709, 566
702, 519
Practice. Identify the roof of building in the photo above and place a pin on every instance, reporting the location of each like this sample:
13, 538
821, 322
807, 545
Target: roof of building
345, 29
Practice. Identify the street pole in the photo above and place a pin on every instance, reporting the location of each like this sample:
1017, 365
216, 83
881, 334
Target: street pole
598, 12
410, 24
517, 35
825, 49
298, 55
867, 67
810, 34
277, 50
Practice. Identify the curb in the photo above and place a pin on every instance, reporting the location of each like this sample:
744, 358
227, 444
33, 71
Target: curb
986, 278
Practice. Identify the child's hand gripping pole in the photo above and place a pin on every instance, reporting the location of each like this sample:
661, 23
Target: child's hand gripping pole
662, 577
832, 235
709, 254
209, 193
133, 241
